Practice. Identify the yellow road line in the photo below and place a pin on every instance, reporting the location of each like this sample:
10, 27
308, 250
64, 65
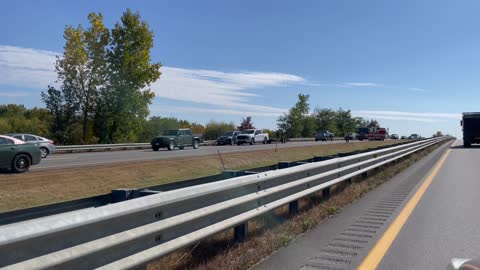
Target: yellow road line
375, 255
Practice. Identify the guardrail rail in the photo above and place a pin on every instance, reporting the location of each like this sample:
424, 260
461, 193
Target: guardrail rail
129, 234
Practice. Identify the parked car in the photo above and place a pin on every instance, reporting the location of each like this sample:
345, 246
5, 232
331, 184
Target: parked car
404, 137
414, 137
47, 146
228, 138
18, 155
394, 137
252, 136
324, 135
175, 138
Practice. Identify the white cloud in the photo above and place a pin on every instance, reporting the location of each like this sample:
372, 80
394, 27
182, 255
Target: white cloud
416, 89
14, 94
182, 109
407, 116
364, 84
220, 88
26, 67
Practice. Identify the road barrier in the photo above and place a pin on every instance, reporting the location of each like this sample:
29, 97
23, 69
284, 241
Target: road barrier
62, 149
129, 234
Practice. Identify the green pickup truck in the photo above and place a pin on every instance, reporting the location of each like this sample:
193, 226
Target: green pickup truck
18, 155
172, 139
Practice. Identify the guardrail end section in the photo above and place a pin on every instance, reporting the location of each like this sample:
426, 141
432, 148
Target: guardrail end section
240, 232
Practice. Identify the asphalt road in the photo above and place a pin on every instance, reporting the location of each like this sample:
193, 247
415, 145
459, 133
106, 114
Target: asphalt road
444, 224
60, 161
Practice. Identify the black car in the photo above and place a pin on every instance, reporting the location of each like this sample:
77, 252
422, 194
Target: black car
228, 138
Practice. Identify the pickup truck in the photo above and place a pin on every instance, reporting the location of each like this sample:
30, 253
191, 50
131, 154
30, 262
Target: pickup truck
252, 136
175, 138
324, 135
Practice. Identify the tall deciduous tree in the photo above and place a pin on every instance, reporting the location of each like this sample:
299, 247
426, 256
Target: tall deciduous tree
124, 102
297, 122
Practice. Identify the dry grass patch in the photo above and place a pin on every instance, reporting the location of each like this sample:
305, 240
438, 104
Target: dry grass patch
43, 187
278, 229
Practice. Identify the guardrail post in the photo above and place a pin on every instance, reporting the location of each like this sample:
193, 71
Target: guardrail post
240, 232
326, 193
293, 207
283, 164
230, 174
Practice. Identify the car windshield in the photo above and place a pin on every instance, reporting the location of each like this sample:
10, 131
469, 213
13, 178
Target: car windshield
171, 133
228, 134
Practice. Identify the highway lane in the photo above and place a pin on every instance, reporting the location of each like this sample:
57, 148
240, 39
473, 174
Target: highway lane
95, 158
446, 222
344, 240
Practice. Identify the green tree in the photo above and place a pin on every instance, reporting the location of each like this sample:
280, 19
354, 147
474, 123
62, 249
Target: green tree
373, 124
297, 122
325, 119
124, 102
345, 123
214, 129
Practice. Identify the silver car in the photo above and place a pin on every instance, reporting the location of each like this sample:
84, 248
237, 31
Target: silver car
47, 146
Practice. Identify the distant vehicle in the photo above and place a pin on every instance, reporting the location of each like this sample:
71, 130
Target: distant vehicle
47, 146
471, 128
324, 135
18, 155
394, 137
362, 133
377, 134
252, 136
414, 137
349, 137
403, 138
172, 139
228, 138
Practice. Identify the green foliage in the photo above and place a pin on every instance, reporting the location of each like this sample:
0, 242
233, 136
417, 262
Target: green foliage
104, 81
297, 123
373, 123
18, 119
214, 129
332, 210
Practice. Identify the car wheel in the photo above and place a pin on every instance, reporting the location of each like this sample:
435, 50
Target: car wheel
265, 141
239, 143
21, 163
252, 141
467, 144
155, 148
44, 152
181, 147
171, 145
195, 144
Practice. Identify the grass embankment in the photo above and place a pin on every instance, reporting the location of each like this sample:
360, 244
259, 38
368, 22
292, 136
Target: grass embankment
271, 232
43, 187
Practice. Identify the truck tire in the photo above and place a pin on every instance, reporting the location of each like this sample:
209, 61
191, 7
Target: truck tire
181, 147
171, 146
252, 141
21, 163
196, 144
239, 143
155, 148
467, 144
265, 141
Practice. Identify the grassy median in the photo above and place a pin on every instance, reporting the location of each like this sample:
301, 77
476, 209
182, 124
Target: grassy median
43, 187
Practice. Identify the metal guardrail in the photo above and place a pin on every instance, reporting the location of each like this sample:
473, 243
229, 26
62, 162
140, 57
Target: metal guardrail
129, 234
132, 146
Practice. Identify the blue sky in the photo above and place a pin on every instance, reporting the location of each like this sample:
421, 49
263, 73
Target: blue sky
413, 65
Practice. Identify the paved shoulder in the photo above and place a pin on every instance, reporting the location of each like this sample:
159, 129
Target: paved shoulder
344, 240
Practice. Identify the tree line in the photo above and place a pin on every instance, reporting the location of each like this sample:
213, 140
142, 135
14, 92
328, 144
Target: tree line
299, 121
